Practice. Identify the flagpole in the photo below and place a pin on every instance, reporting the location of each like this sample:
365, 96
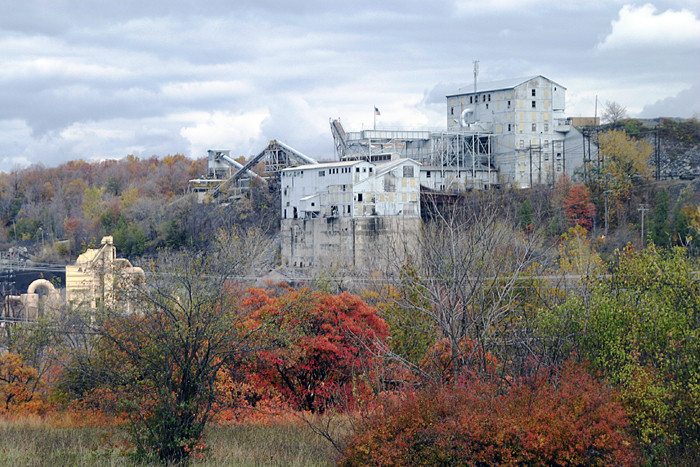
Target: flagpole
374, 112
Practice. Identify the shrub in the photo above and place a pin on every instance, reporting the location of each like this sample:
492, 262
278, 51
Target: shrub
562, 417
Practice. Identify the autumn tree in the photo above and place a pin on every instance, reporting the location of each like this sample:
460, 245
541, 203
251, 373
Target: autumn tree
19, 382
578, 206
317, 348
623, 164
557, 219
162, 360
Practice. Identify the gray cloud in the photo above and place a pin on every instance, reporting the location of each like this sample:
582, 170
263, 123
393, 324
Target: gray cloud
104, 79
685, 104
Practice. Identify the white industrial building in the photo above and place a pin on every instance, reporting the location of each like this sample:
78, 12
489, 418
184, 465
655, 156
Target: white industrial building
529, 128
351, 189
349, 214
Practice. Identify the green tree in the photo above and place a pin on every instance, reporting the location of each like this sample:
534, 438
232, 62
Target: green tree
402, 307
130, 239
640, 328
93, 204
660, 230
525, 214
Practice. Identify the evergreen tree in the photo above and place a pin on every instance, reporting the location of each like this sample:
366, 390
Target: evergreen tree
660, 230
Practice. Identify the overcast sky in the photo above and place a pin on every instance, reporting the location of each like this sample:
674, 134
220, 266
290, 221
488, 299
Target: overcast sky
103, 79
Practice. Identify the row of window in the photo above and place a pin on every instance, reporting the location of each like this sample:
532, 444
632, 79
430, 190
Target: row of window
487, 98
534, 127
322, 173
555, 144
533, 104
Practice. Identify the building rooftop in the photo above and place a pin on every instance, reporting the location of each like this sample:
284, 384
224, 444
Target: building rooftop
497, 85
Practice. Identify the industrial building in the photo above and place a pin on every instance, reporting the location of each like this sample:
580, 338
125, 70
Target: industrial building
450, 160
530, 130
344, 214
510, 133
99, 278
96, 278
227, 179
504, 133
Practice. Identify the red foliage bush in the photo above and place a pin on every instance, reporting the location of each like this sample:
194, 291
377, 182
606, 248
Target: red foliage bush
564, 418
317, 347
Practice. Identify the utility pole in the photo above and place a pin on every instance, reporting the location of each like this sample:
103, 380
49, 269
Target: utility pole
606, 193
657, 150
563, 155
539, 167
530, 165
643, 208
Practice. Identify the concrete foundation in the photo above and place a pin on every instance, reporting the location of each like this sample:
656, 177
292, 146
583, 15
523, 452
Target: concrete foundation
361, 244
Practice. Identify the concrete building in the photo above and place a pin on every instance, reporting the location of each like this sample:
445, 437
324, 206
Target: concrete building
98, 277
526, 118
349, 214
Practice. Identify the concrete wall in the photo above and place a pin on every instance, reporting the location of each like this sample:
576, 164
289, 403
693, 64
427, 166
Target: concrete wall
359, 244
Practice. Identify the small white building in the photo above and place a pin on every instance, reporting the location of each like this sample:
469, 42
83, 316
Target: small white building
351, 189
526, 117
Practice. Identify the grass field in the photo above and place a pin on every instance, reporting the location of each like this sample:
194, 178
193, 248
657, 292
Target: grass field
35, 442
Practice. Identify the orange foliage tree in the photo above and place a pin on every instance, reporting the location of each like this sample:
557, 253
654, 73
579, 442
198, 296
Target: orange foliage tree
18, 383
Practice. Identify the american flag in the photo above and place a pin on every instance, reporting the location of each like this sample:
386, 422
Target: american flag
376, 111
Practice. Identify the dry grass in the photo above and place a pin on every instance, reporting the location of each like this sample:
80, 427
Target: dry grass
37, 442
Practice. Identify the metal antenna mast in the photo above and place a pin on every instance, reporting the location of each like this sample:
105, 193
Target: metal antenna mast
476, 98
